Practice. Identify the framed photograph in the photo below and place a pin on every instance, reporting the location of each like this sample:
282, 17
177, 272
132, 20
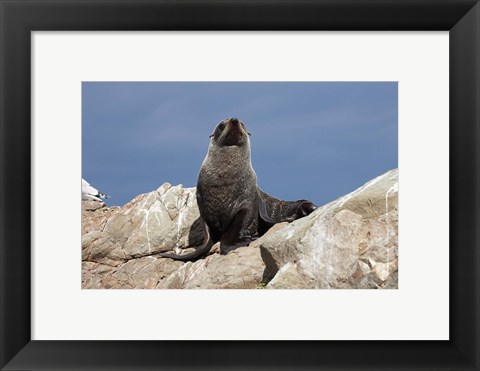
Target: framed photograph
310, 169
309, 143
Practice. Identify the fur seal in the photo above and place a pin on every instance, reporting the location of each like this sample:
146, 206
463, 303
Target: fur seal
235, 211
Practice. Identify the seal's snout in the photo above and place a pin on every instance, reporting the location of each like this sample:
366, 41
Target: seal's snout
231, 132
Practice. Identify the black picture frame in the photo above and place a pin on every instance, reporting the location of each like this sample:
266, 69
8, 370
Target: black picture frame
18, 18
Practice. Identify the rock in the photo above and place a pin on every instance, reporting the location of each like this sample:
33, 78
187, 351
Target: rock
242, 268
99, 247
95, 214
288, 277
349, 243
159, 221
95, 275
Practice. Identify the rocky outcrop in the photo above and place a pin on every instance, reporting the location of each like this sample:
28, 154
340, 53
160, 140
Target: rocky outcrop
119, 246
349, 243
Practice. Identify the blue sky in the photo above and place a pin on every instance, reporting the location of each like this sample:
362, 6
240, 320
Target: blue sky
312, 140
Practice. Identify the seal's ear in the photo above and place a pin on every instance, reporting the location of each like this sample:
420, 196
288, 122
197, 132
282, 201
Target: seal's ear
211, 135
245, 128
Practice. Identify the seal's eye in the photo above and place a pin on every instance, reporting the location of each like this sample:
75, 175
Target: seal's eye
221, 126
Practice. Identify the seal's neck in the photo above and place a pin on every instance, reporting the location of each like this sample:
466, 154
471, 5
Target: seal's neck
228, 156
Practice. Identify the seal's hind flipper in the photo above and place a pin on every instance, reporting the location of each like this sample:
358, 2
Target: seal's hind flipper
271, 210
200, 251
268, 208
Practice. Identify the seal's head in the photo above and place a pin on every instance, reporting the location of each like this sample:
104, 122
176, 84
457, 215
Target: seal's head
230, 132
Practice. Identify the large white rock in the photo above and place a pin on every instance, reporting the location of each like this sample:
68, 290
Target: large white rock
158, 221
349, 243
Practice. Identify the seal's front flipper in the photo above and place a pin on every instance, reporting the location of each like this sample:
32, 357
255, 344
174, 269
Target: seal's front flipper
238, 233
200, 251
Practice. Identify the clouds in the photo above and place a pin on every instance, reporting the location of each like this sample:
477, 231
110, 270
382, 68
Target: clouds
328, 137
